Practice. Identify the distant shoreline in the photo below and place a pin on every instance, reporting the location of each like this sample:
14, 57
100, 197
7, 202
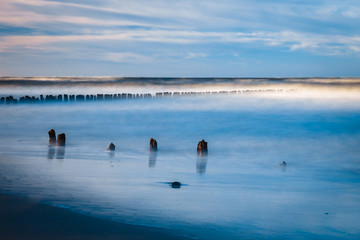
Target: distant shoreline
22, 218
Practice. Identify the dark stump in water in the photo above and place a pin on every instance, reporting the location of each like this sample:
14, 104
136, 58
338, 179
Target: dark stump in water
111, 147
52, 137
61, 139
153, 145
175, 184
202, 147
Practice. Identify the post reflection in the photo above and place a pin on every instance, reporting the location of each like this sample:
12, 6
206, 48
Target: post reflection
201, 163
111, 154
60, 152
152, 158
283, 166
51, 152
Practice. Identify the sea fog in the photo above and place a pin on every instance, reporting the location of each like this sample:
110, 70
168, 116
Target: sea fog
239, 190
20, 86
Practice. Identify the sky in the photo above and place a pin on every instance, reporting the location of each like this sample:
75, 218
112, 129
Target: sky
182, 38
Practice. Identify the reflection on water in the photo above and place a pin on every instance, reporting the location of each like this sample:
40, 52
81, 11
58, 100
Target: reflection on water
60, 152
202, 159
152, 158
51, 152
283, 166
201, 164
111, 154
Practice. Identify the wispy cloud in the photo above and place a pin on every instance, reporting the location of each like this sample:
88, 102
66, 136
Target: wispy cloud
291, 40
142, 31
126, 57
191, 55
184, 14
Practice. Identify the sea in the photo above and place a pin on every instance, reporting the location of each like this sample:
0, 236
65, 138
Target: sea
283, 158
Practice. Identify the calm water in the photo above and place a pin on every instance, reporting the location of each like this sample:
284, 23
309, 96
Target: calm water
239, 191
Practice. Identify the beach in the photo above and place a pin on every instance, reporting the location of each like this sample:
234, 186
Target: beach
280, 164
23, 218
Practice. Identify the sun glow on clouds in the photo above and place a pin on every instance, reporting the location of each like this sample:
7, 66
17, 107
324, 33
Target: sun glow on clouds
138, 32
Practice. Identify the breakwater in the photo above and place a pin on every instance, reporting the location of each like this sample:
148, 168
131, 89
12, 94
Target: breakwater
120, 96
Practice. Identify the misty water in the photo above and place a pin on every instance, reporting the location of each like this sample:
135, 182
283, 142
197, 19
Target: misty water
238, 191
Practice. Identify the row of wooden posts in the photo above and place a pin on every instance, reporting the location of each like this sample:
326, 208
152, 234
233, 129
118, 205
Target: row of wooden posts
100, 97
61, 139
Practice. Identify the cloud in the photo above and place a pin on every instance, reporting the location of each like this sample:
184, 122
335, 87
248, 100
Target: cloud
345, 10
126, 57
288, 40
355, 48
353, 12
32, 18
186, 14
191, 55
11, 14
119, 31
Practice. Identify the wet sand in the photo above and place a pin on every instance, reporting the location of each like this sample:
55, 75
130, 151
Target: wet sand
22, 218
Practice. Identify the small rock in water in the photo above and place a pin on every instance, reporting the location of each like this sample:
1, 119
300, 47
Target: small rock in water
283, 164
52, 137
61, 139
111, 147
153, 144
202, 147
175, 184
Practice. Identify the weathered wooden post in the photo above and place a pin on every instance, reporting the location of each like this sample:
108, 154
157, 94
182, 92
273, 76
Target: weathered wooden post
111, 147
52, 137
202, 147
153, 145
61, 139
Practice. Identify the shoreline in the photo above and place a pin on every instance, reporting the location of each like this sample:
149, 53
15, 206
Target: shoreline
23, 218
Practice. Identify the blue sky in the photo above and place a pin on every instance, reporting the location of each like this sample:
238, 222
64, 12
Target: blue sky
183, 38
